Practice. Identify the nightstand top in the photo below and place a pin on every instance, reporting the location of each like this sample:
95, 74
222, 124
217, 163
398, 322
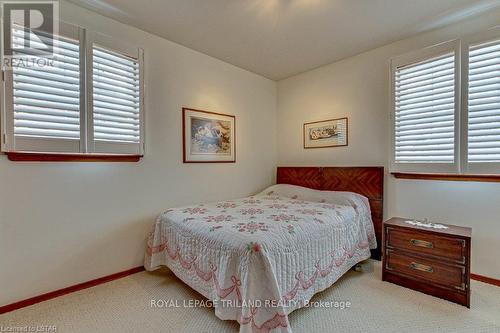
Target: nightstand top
452, 230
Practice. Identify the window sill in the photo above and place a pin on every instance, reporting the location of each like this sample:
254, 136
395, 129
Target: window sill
448, 177
48, 157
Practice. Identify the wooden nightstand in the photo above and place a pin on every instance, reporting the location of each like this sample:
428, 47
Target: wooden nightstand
433, 261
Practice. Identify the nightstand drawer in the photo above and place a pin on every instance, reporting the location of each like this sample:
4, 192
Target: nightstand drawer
449, 276
431, 244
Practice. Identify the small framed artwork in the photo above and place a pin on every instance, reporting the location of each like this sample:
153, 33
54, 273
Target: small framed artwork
326, 133
208, 137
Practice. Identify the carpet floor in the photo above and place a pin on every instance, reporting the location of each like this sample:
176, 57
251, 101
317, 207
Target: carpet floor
125, 306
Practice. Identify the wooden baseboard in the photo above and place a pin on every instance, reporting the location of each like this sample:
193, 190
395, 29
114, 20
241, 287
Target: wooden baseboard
485, 279
67, 290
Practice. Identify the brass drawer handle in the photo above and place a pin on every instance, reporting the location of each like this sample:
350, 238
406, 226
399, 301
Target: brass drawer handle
420, 267
421, 243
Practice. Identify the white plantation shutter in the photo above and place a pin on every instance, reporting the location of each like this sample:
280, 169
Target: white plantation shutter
424, 115
446, 107
484, 103
90, 101
44, 101
116, 96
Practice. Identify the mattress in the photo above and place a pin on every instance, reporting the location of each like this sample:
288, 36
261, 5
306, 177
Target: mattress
261, 257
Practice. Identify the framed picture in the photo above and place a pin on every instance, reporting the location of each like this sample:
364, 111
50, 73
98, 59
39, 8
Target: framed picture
326, 133
208, 137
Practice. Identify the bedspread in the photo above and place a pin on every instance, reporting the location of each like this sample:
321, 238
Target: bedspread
261, 257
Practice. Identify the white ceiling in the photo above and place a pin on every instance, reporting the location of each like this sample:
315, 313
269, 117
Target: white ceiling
280, 38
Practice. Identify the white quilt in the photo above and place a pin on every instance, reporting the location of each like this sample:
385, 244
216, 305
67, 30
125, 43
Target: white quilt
259, 258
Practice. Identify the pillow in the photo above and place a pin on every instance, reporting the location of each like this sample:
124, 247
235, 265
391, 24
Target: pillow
355, 200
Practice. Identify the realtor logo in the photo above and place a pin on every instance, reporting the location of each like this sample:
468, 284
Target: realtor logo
30, 28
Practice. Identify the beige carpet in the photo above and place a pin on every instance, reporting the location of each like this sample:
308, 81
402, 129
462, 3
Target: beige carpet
124, 306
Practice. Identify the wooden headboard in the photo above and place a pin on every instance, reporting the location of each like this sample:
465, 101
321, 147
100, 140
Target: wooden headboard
367, 181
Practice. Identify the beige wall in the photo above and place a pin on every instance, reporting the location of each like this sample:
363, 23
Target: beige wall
65, 223
358, 87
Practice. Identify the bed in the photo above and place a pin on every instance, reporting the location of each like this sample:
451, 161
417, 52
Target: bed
259, 258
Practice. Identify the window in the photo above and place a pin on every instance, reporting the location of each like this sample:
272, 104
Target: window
116, 93
425, 96
46, 100
446, 107
426, 90
88, 101
115, 116
484, 103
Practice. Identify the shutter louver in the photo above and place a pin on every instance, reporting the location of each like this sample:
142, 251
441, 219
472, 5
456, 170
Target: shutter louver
425, 111
116, 97
484, 103
46, 99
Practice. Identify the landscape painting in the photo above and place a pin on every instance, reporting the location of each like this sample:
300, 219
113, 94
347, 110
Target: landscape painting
208, 136
326, 133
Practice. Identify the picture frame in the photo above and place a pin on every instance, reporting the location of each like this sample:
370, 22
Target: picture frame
208, 137
326, 133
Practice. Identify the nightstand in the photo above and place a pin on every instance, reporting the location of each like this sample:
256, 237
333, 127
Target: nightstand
430, 260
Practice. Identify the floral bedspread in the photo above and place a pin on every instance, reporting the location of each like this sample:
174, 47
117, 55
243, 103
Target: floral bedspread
259, 258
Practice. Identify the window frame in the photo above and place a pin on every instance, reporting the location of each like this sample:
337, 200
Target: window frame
60, 149
112, 45
490, 35
11, 143
463, 169
414, 57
